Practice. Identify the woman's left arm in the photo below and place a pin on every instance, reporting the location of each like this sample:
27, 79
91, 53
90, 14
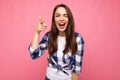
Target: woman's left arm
78, 58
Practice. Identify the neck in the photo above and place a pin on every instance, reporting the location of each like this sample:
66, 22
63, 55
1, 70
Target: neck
62, 34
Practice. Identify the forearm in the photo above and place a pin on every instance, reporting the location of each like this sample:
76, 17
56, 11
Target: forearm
74, 76
35, 40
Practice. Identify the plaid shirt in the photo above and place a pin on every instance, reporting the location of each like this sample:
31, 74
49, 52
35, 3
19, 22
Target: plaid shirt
74, 62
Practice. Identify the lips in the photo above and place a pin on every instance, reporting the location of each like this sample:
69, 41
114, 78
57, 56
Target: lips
61, 25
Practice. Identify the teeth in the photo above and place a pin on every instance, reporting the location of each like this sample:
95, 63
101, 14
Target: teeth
61, 24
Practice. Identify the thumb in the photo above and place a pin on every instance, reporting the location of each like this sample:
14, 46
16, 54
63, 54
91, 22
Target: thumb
40, 20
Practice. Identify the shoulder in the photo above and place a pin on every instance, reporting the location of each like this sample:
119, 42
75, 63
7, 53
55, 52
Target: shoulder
47, 33
79, 38
45, 36
77, 34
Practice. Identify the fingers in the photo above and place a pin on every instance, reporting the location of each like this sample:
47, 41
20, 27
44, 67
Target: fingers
41, 25
44, 25
40, 20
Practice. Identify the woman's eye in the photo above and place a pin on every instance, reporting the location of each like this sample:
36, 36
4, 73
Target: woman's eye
66, 15
57, 15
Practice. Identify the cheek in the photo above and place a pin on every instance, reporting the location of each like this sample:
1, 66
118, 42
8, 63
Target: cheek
56, 23
56, 20
66, 19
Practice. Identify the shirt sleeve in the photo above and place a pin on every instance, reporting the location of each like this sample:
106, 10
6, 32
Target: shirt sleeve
79, 55
41, 49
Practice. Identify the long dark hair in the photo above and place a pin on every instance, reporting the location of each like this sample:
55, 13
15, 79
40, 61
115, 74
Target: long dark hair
71, 44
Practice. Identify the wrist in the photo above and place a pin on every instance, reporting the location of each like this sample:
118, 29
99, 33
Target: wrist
37, 31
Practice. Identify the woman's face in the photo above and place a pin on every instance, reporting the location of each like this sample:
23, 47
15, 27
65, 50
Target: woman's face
61, 19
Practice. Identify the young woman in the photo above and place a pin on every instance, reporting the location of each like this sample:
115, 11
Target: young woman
65, 47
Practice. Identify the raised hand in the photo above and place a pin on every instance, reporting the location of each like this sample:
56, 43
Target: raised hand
41, 25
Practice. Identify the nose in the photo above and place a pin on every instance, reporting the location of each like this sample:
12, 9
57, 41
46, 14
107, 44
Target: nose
61, 18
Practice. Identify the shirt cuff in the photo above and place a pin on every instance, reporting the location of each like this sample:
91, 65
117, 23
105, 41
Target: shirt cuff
31, 49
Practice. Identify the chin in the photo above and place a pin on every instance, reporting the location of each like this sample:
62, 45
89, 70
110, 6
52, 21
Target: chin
62, 30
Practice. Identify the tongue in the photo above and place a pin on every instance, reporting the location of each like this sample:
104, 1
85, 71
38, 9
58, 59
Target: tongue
61, 27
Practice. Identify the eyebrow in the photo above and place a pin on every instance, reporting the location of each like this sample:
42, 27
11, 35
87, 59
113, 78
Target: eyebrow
64, 14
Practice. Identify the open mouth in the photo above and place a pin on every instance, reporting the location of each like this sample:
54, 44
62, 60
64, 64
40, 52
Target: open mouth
61, 25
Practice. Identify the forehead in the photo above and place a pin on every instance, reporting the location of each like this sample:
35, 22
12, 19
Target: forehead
61, 10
